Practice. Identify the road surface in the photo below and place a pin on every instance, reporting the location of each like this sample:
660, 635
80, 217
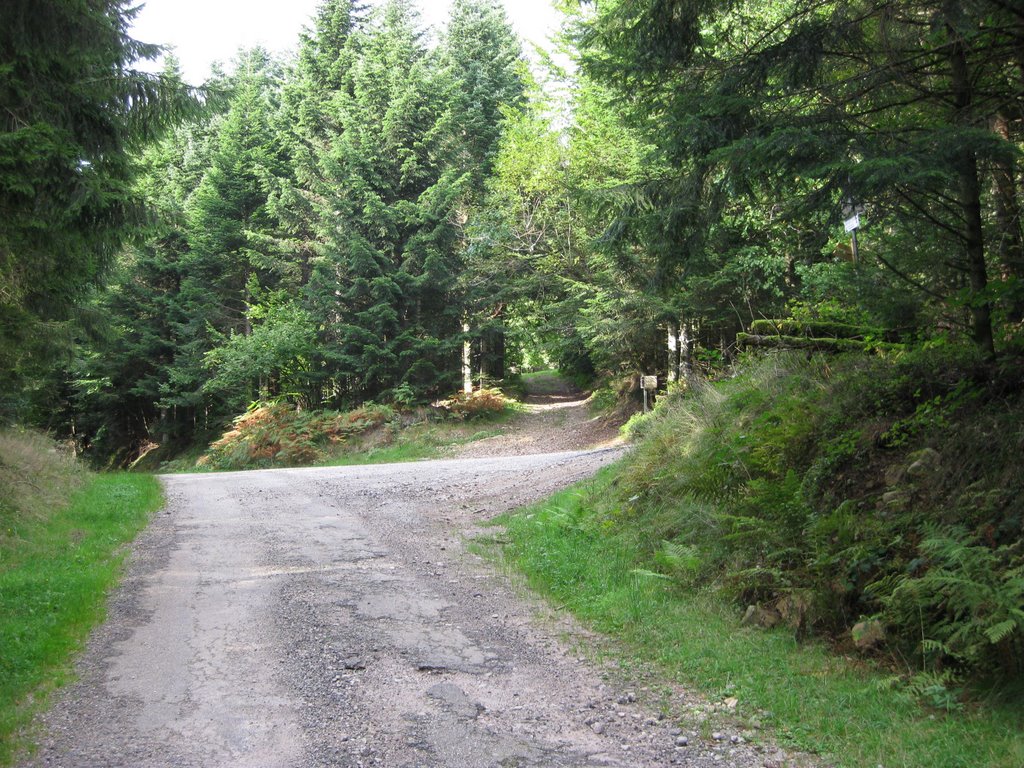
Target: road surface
335, 617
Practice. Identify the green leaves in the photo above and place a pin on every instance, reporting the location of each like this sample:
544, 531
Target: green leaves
967, 601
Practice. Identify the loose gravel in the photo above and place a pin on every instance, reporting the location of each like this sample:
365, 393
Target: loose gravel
336, 617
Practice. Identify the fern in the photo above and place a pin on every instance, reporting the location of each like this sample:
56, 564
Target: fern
681, 560
967, 603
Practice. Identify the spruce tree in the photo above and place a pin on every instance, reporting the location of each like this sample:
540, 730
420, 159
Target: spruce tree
483, 70
74, 111
381, 284
230, 257
802, 107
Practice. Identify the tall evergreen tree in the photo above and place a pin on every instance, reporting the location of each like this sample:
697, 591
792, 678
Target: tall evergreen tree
230, 259
305, 124
381, 284
121, 377
483, 68
74, 110
889, 104
482, 60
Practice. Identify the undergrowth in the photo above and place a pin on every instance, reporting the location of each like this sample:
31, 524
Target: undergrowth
835, 491
279, 435
875, 503
59, 554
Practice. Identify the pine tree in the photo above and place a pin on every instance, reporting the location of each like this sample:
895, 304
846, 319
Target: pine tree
230, 258
889, 104
382, 280
483, 63
304, 126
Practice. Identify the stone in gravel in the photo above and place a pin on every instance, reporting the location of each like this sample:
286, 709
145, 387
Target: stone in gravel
682, 741
353, 663
717, 736
597, 728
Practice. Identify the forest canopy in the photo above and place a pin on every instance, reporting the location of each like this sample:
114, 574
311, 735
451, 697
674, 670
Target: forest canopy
337, 226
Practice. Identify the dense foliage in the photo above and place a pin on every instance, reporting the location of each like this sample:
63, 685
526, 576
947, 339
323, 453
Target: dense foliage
381, 219
873, 501
73, 112
308, 244
717, 147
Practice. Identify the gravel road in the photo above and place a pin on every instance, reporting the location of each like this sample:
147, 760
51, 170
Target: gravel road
335, 617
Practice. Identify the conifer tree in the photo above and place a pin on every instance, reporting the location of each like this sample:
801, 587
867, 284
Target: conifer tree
121, 377
483, 67
304, 125
230, 258
801, 107
74, 111
381, 284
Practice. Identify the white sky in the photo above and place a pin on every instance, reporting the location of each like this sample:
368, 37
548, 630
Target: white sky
204, 31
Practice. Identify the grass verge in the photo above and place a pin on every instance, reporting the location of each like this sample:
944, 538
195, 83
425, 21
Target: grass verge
800, 694
54, 577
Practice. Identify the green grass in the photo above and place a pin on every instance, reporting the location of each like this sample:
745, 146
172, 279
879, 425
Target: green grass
54, 578
419, 442
387, 454
804, 696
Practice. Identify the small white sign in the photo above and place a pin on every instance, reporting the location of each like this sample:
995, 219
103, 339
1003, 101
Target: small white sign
852, 223
649, 382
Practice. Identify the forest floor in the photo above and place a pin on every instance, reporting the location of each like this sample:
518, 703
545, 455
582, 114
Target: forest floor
341, 616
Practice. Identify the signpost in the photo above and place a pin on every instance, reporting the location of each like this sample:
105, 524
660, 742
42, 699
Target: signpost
851, 216
648, 384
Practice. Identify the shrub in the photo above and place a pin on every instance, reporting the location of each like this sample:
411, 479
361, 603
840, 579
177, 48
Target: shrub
964, 603
832, 489
482, 402
280, 435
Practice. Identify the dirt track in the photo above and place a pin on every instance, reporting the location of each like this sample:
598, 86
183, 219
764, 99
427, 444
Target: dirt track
335, 617
556, 417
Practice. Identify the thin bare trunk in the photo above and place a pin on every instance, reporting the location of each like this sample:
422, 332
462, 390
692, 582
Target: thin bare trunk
467, 361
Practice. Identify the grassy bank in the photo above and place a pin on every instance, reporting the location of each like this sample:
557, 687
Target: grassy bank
61, 549
869, 510
804, 695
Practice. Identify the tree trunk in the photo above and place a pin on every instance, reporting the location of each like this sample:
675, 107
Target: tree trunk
686, 348
496, 354
1007, 213
492, 347
673, 351
467, 361
969, 198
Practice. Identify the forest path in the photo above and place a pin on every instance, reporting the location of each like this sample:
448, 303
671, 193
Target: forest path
556, 417
337, 617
